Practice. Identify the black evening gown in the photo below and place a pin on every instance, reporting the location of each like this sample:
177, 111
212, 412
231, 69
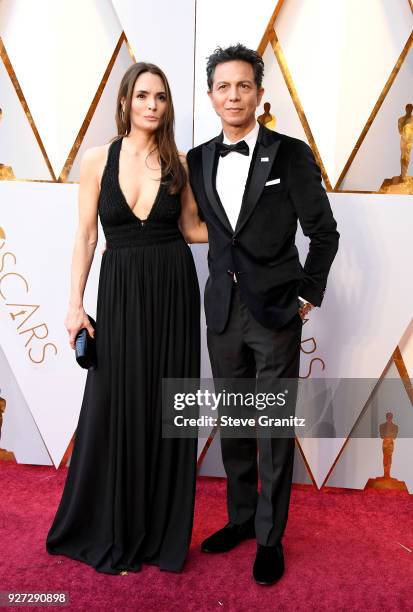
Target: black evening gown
129, 493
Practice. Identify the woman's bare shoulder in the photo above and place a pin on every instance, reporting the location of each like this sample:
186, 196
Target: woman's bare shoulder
95, 155
94, 160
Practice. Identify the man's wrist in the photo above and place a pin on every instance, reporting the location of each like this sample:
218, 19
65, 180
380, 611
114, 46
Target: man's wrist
304, 302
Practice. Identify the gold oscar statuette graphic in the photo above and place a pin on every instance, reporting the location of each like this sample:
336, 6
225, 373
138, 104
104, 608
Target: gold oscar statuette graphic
4, 454
388, 433
267, 119
402, 183
6, 172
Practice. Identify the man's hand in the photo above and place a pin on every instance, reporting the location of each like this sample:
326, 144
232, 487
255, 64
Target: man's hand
304, 310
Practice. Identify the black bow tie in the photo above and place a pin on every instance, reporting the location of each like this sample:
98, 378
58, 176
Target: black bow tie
238, 147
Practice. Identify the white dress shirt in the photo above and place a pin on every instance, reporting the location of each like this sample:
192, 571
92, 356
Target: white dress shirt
232, 173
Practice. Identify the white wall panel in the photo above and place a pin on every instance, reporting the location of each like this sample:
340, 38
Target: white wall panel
39, 223
340, 55
277, 94
19, 433
18, 145
362, 458
59, 51
378, 157
102, 127
163, 33
222, 24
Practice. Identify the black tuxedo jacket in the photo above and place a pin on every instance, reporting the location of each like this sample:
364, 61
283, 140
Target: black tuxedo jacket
261, 249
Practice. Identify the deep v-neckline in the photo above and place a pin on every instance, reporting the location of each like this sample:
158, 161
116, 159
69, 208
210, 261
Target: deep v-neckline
123, 198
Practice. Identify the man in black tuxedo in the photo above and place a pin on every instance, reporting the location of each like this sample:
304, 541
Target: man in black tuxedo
252, 185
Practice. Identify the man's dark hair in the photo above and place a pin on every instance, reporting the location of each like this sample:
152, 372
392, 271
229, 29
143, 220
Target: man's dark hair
235, 52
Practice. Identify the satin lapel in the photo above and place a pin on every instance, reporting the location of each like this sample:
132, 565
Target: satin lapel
208, 163
258, 176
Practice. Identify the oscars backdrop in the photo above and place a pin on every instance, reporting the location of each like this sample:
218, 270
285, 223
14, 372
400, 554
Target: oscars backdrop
337, 75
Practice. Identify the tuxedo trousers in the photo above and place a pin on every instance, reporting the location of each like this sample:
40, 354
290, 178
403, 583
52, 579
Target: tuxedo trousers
246, 349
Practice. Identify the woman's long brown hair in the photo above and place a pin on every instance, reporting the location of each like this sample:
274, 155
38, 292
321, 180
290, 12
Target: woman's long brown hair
165, 139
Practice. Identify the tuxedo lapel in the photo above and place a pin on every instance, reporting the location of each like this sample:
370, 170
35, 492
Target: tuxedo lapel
209, 169
262, 161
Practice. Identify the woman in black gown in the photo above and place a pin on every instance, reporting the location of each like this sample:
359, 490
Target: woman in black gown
129, 493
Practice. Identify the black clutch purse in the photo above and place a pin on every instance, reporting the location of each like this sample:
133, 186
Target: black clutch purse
85, 347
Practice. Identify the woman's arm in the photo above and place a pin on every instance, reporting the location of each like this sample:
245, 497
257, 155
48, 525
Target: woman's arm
85, 243
191, 226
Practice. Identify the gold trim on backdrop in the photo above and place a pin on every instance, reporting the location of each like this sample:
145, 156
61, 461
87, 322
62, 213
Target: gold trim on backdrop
83, 129
73, 152
355, 191
360, 416
38, 431
10, 71
68, 453
270, 27
403, 373
206, 447
40, 181
376, 109
131, 53
280, 57
307, 465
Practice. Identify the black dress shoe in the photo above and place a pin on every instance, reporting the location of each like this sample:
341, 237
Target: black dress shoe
228, 537
269, 564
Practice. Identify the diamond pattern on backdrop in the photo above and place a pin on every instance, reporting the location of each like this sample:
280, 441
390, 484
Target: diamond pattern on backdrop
368, 472
100, 126
20, 438
21, 148
60, 65
368, 169
342, 76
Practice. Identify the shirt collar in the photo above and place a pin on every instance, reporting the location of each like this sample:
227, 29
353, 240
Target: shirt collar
250, 138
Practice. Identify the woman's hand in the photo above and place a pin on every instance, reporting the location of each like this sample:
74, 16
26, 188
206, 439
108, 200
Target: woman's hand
77, 319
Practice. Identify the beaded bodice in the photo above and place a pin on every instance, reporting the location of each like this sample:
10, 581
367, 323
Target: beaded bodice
121, 226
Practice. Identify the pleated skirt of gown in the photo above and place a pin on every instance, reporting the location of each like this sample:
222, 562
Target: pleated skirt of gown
129, 493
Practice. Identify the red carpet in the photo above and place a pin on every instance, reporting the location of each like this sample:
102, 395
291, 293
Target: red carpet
344, 550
